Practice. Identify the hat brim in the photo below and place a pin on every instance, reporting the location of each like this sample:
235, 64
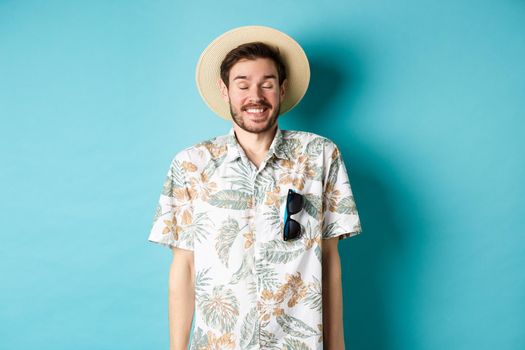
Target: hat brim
294, 58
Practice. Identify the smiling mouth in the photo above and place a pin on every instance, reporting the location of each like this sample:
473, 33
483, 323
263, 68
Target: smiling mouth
255, 111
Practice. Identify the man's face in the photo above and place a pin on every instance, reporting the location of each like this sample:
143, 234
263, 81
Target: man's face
254, 94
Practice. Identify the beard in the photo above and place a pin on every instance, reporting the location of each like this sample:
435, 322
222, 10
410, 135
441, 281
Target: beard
239, 119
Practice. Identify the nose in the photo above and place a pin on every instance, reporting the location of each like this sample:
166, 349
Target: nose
256, 94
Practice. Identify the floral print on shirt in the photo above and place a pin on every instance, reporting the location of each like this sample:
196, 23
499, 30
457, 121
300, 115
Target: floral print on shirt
253, 290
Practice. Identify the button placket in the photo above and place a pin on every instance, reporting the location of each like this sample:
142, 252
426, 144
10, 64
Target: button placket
252, 212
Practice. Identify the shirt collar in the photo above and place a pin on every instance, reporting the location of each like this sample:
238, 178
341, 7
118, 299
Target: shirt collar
277, 148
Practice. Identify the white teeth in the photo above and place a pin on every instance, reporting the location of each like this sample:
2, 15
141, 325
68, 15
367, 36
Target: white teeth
253, 110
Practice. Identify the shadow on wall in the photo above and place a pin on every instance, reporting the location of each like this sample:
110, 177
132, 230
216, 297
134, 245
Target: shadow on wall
336, 74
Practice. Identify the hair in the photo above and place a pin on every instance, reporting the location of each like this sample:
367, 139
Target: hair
252, 51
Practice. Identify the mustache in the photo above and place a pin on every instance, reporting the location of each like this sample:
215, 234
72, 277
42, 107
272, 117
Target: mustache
262, 104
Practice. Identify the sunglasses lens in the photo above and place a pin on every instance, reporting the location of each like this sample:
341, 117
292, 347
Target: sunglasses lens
295, 202
291, 229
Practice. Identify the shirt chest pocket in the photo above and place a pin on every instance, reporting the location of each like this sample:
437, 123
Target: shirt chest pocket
309, 217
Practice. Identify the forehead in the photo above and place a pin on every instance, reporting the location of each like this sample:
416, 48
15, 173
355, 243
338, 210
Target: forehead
253, 68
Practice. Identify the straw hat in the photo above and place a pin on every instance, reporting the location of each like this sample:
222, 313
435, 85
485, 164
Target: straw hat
208, 67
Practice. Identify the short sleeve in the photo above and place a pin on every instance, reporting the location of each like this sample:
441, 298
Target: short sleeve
172, 223
340, 217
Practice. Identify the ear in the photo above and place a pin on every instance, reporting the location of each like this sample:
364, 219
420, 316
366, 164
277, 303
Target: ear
283, 88
224, 90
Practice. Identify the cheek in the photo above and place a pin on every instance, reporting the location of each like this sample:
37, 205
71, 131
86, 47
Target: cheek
272, 96
235, 99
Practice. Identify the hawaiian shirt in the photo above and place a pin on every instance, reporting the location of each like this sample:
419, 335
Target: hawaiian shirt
253, 290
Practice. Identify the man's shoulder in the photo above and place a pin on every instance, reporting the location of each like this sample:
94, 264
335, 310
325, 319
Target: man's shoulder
204, 150
308, 140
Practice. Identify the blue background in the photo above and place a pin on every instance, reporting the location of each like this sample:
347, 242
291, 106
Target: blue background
426, 100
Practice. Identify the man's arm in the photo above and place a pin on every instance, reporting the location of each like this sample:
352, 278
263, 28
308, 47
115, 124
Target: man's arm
333, 330
181, 299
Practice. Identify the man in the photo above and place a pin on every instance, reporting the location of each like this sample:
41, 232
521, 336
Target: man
254, 217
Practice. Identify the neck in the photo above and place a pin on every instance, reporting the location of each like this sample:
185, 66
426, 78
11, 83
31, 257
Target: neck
255, 145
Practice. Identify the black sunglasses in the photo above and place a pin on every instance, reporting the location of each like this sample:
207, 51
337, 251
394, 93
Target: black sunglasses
294, 204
